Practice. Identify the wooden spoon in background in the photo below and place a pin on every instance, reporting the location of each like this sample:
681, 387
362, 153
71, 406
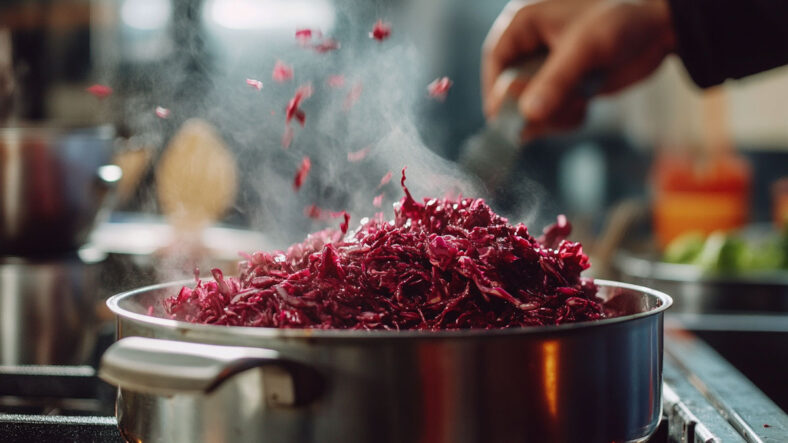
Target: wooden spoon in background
134, 161
196, 182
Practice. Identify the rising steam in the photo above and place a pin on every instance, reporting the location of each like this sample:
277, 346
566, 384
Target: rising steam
203, 75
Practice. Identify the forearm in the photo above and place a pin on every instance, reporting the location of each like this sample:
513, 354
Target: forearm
721, 39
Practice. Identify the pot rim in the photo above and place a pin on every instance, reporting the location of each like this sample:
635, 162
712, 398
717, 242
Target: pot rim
635, 265
272, 333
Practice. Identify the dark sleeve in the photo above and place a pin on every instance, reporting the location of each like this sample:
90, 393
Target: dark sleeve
722, 39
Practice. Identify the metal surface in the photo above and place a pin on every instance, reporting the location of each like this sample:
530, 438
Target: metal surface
43, 410
710, 401
52, 186
144, 235
695, 291
47, 309
169, 367
462, 386
690, 415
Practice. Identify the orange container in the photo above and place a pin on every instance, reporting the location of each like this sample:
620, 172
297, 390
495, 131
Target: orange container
703, 195
780, 202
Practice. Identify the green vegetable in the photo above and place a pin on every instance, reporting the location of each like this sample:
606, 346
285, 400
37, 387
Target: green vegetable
722, 251
685, 248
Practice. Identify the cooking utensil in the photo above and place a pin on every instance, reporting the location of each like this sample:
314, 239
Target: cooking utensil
47, 308
196, 182
593, 381
196, 177
491, 153
53, 181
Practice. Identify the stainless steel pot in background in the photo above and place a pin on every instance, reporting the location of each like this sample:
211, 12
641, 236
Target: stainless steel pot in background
585, 382
627, 252
53, 182
47, 308
696, 291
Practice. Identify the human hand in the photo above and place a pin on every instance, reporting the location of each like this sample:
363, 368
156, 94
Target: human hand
622, 40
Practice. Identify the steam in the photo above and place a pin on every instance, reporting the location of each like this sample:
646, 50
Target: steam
204, 76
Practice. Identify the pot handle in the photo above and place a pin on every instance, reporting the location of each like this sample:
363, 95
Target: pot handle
168, 367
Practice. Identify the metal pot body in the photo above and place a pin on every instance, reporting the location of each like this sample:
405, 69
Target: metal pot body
53, 182
47, 309
598, 381
698, 292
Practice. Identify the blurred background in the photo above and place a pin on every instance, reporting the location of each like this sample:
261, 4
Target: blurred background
192, 57
134, 150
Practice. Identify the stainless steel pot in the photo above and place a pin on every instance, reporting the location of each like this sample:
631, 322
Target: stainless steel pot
696, 291
586, 382
47, 308
52, 184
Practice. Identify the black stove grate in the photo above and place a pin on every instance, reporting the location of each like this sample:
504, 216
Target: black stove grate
45, 428
56, 404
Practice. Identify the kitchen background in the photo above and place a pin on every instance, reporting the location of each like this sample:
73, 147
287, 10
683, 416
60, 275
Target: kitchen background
192, 57
195, 192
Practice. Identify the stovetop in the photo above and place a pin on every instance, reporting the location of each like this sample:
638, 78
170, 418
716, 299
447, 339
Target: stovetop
704, 400
56, 403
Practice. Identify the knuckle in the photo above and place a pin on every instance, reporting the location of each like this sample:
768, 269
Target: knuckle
515, 14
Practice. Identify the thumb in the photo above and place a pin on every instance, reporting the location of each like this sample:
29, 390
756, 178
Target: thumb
555, 84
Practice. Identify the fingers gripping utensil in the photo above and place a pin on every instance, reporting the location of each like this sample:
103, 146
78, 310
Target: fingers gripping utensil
491, 152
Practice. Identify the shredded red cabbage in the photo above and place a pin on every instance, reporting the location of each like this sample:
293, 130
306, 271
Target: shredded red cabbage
357, 156
281, 72
303, 171
353, 95
439, 88
293, 108
380, 31
162, 112
385, 180
99, 91
336, 81
317, 213
257, 84
313, 211
303, 36
440, 264
326, 45
287, 136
